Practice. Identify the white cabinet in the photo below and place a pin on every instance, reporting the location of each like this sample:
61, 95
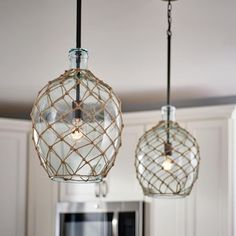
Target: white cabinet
121, 183
13, 177
209, 208
42, 199
28, 197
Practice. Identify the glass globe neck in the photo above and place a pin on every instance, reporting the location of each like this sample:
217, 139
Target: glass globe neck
78, 58
168, 113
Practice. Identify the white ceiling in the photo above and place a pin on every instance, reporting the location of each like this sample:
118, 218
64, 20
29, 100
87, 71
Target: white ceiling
127, 45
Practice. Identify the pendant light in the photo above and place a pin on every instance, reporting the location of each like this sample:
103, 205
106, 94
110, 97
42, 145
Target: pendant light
167, 156
77, 122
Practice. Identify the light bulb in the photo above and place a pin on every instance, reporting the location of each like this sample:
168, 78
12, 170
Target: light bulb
167, 164
76, 133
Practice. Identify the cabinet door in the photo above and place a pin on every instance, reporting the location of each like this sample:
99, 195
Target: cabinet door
208, 209
42, 199
122, 182
13, 146
165, 217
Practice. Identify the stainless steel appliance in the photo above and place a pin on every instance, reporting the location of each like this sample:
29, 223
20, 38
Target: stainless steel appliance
100, 219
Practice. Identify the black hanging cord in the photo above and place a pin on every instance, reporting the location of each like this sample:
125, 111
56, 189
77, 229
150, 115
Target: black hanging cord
77, 112
78, 23
169, 34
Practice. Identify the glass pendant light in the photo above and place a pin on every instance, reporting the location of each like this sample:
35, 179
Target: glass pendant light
77, 122
167, 156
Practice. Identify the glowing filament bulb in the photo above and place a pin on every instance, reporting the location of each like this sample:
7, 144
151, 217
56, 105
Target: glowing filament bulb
167, 164
76, 133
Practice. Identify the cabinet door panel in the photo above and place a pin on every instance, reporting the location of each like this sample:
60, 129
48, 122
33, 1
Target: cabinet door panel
13, 146
123, 184
207, 208
165, 217
42, 199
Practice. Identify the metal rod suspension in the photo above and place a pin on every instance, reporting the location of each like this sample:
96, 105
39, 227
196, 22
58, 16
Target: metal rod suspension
77, 112
169, 35
78, 23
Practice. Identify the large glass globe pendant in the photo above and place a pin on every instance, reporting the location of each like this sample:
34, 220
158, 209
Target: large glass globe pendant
77, 124
167, 158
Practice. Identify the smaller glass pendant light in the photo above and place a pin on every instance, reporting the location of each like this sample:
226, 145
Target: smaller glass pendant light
167, 156
77, 122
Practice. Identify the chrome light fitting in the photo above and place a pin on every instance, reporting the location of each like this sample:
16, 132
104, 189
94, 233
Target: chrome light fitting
77, 122
167, 156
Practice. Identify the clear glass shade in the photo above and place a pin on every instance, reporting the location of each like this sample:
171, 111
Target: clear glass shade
167, 159
77, 124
